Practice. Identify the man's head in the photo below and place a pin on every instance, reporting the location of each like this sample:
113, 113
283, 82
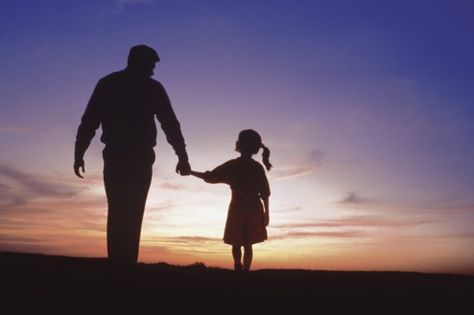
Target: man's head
143, 59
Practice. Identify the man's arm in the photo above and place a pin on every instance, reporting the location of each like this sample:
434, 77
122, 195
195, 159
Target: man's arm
172, 129
89, 123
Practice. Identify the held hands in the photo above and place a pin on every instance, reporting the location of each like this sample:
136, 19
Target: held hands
79, 164
183, 168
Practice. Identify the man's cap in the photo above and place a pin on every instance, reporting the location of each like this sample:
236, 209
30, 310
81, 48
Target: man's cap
140, 53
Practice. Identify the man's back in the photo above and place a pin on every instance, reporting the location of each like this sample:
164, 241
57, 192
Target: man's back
127, 105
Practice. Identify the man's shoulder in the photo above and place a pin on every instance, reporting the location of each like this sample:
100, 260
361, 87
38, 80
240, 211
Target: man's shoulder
123, 78
112, 76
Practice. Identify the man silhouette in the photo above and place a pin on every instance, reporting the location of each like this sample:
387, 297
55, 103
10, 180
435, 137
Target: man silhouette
126, 103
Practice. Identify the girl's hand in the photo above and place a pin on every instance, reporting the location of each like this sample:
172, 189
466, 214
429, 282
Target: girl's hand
197, 174
266, 219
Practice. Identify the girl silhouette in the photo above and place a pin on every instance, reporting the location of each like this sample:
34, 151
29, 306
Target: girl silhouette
247, 217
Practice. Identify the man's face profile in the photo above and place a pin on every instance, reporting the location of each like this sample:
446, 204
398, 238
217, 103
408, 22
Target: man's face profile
143, 59
153, 66
145, 67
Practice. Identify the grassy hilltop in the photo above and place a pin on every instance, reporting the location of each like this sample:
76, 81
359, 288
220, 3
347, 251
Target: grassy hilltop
67, 285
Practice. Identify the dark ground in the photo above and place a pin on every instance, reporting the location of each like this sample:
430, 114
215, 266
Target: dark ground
39, 284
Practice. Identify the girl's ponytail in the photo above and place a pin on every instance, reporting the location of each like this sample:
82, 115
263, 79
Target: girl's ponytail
266, 157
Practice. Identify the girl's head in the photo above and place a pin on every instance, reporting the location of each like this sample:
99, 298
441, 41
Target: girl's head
250, 142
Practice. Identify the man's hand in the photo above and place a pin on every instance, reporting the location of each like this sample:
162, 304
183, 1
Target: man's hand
77, 166
183, 168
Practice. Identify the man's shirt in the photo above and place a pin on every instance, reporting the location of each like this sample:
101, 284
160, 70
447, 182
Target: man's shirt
126, 103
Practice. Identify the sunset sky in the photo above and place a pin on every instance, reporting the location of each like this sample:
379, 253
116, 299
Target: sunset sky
367, 108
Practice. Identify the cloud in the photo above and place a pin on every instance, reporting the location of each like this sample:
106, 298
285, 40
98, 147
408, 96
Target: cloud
8, 198
186, 241
39, 217
192, 239
34, 184
312, 162
170, 186
353, 198
317, 157
49, 225
347, 227
11, 201
426, 206
458, 206
293, 172
14, 129
51, 243
19, 187
467, 236
290, 209
4, 188
355, 221
321, 234
188, 244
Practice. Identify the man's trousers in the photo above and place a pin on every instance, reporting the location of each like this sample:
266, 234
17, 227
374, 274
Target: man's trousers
127, 179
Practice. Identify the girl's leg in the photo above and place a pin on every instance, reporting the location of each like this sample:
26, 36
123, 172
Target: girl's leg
248, 255
237, 255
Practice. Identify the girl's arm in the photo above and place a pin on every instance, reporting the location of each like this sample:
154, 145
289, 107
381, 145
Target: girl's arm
197, 174
266, 219
220, 174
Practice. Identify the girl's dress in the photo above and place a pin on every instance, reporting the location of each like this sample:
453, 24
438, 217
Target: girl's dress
249, 184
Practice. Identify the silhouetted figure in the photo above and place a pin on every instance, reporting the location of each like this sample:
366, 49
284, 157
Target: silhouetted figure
247, 218
125, 104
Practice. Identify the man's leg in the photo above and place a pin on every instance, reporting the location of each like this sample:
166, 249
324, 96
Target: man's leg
127, 183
